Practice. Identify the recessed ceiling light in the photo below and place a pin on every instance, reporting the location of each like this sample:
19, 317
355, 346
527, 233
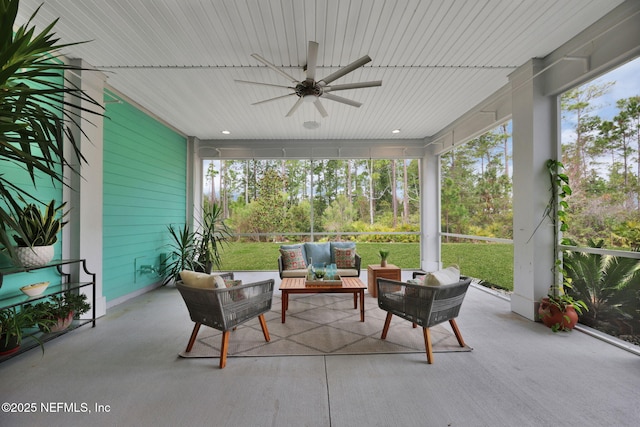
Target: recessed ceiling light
226, 132
395, 131
311, 125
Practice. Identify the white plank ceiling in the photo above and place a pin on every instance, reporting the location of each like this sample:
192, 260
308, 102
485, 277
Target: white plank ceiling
436, 58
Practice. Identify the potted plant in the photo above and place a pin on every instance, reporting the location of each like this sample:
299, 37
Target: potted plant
38, 233
559, 310
35, 123
13, 322
58, 312
183, 253
212, 236
384, 254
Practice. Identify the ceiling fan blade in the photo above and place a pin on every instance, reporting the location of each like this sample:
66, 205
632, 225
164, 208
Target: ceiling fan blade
295, 107
274, 68
341, 99
263, 84
346, 70
352, 86
320, 108
273, 99
312, 60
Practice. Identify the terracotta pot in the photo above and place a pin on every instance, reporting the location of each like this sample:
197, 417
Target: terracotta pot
62, 323
551, 315
383, 263
8, 347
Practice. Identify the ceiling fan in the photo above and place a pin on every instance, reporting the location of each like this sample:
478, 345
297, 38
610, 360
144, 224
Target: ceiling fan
311, 89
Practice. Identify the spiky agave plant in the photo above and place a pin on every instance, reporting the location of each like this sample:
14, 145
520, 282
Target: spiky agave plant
39, 228
608, 285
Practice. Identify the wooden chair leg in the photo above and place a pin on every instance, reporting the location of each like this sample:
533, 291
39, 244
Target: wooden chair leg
263, 325
223, 349
456, 331
387, 322
192, 339
355, 300
427, 344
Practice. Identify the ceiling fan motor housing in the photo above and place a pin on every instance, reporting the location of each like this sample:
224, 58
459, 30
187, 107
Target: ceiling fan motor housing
308, 87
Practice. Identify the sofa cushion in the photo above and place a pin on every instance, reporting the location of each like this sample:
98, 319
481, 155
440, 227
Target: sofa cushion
345, 257
347, 272
350, 245
202, 280
293, 259
294, 273
318, 252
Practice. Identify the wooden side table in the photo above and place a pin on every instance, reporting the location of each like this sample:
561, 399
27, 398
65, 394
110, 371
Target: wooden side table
374, 271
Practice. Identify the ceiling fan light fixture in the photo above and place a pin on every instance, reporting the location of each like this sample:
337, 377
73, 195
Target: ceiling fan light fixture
395, 131
311, 125
311, 90
226, 132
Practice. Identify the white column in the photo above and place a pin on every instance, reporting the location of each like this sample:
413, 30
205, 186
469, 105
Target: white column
430, 245
535, 140
195, 177
82, 237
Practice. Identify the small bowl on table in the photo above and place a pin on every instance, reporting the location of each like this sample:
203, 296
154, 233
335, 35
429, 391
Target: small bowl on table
35, 289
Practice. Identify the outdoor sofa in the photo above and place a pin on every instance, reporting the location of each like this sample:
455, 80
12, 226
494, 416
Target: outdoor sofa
294, 260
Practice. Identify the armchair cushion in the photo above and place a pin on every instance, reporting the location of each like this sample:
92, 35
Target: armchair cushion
202, 280
345, 257
443, 277
293, 258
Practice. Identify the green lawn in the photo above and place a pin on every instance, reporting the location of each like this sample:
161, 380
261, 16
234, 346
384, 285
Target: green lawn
491, 262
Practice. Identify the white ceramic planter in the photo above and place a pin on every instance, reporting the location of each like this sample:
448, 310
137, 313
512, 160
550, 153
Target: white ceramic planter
34, 256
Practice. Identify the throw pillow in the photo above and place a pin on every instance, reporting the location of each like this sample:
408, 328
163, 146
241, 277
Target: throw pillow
201, 280
318, 252
443, 277
292, 259
341, 245
345, 257
235, 295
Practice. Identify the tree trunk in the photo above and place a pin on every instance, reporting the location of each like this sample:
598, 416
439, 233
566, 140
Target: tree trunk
371, 192
223, 189
246, 182
349, 192
394, 193
405, 195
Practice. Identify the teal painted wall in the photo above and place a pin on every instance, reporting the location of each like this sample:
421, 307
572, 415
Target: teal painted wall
45, 190
145, 179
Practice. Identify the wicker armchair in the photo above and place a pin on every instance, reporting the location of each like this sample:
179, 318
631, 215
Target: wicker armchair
422, 305
224, 309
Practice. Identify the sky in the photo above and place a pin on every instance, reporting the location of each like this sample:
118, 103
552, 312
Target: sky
627, 84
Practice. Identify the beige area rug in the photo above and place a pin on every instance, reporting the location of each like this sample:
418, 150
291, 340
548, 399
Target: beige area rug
323, 324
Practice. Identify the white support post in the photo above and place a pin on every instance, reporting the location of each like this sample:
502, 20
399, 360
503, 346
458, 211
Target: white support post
535, 140
430, 259
82, 237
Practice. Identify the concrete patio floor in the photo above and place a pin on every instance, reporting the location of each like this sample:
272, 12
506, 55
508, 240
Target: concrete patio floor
126, 372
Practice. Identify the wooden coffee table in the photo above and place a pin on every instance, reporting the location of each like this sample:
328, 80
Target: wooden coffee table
295, 285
